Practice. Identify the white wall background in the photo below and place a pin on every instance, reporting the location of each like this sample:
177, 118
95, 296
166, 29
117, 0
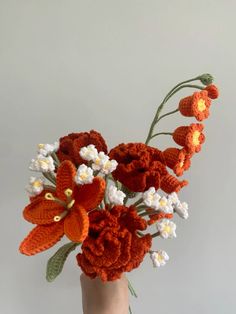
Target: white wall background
75, 65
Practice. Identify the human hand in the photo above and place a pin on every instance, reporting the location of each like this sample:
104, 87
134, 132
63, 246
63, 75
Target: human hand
104, 298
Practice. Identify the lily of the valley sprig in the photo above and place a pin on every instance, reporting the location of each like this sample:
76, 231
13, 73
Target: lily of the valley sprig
104, 201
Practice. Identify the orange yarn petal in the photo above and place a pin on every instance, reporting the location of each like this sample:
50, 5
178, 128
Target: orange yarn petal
65, 178
76, 224
170, 184
42, 211
41, 238
177, 159
89, 196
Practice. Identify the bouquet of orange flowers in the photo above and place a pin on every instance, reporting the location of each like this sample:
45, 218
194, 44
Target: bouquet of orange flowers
105, 201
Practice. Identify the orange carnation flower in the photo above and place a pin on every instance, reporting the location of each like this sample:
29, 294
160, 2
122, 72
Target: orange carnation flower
71, 144
112, 246
191, 137
179, 160
196, 105
60, 212
213, 91
139, 166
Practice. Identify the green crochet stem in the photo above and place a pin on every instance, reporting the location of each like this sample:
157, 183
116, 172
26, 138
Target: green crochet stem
167, 114
133, 293
138, 202
56, 159
156, 234
174, 90
49, 187
50, 178
161, 133
131, 289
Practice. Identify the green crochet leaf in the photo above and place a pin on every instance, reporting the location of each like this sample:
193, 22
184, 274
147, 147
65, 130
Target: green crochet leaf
56, 262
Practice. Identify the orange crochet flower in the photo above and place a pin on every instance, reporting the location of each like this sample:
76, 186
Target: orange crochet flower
170, 184
139, 166
60, 212
213, 91
112, 246
196, 105
179, 160
158, 216
191, 137
71, 144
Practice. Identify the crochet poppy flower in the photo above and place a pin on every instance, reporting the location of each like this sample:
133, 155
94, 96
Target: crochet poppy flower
113, 246
70, 145
179, 160
139, 166
60, 212
213, 91
196, 105
191, 137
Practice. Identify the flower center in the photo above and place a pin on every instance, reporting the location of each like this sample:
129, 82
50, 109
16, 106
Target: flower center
68, 204
167, 229
44, 162
196, 135
37, 184
163, 203
159, 258
181, 164
201, 105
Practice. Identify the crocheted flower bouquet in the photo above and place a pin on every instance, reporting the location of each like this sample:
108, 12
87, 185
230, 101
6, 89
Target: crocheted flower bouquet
105, 201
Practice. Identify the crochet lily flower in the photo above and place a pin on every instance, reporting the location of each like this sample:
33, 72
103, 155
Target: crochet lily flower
179, 160
191, 137
196, 105
63, 211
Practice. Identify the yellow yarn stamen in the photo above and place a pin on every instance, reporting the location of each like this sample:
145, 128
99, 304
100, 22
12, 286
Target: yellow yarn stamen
70, 204
68, 192
49, 196
61, 216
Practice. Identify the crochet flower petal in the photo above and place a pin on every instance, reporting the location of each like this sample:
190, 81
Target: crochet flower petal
41, 238
76, 224
65, 178
42, 211
89, 196
170, 184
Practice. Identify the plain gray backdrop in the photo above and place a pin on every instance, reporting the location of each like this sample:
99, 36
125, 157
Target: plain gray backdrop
71, 66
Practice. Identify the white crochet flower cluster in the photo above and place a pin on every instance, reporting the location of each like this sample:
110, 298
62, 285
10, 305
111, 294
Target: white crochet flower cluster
47, 149
166, 228
44, 162
35, 186
99, 161
115, 196
167, 204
